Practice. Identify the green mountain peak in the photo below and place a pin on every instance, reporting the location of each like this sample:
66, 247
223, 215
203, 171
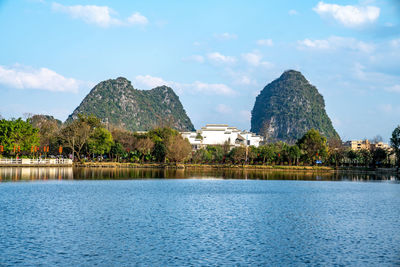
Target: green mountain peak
120, 104
288, 107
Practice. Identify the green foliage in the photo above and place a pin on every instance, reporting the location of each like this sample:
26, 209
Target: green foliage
161, 137
294, 154
210, 154
117, 151
14, 133
288, 107
365, 157
379, 156
159, 151
162, 134
313, 146
238, 155
267, 153
100, 141
395, 143
202, 156
117, 103
216, 153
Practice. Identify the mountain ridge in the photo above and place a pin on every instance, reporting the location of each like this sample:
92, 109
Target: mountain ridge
117, 102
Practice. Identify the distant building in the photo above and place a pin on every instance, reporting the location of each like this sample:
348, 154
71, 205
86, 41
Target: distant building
358, 144
221, 134
365, 144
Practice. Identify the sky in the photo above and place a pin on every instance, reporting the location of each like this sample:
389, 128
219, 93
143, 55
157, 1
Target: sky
216, 55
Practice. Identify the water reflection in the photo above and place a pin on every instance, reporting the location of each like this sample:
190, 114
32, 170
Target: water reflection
35, 173
69, 173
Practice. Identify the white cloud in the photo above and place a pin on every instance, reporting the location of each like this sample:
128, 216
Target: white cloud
395, 43
195, 58
349, 16
335, 43
244, 79
99, 15
224, 109
240, 77
293, 12
319, 44
23, 77
393, 89
265, 42
220, 59
376, 80
212, 88
225, 36
386, 108
137, 19
255, 59
148, 82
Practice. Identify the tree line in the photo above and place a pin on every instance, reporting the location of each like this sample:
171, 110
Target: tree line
87, 138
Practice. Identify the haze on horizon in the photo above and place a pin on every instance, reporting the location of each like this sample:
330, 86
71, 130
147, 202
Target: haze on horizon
217, 56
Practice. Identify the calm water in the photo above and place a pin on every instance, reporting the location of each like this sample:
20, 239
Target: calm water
178, 222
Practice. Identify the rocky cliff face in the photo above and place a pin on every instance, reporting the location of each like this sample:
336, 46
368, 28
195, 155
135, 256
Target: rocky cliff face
116, 102
288, 107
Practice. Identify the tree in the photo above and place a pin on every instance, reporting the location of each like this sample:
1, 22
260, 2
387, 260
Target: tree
238, 154
75, 135
17, 133
100, 141
366, 156
159, 151
313, 145
294, 154
144, 145
377, 139
49, 128
161, 138
353, 156
395, 143
378, 156
267, 153
178, 148
125, 138
202, 156
336, 151
117, 151
216, 153
252, 154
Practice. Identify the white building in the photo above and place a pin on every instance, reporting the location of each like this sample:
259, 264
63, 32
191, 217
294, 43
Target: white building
220, 134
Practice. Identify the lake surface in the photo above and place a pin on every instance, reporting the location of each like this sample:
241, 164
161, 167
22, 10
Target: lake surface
65, 217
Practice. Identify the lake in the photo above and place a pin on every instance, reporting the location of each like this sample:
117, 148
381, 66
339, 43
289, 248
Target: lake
125, 217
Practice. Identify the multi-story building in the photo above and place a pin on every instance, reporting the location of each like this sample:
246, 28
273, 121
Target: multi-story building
365, 144
381, 145
358, 144
221, 134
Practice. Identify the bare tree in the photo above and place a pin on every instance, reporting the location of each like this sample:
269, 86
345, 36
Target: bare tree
48, 128
144, 146
75, 135
178, 148
376, 139
125, 138
336, 150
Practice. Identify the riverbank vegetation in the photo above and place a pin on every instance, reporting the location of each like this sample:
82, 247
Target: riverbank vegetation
87, 139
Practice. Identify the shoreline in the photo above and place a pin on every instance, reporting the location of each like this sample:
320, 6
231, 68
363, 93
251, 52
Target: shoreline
209, 167
235, 167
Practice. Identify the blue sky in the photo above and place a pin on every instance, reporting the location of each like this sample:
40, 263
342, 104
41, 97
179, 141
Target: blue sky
216, 55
